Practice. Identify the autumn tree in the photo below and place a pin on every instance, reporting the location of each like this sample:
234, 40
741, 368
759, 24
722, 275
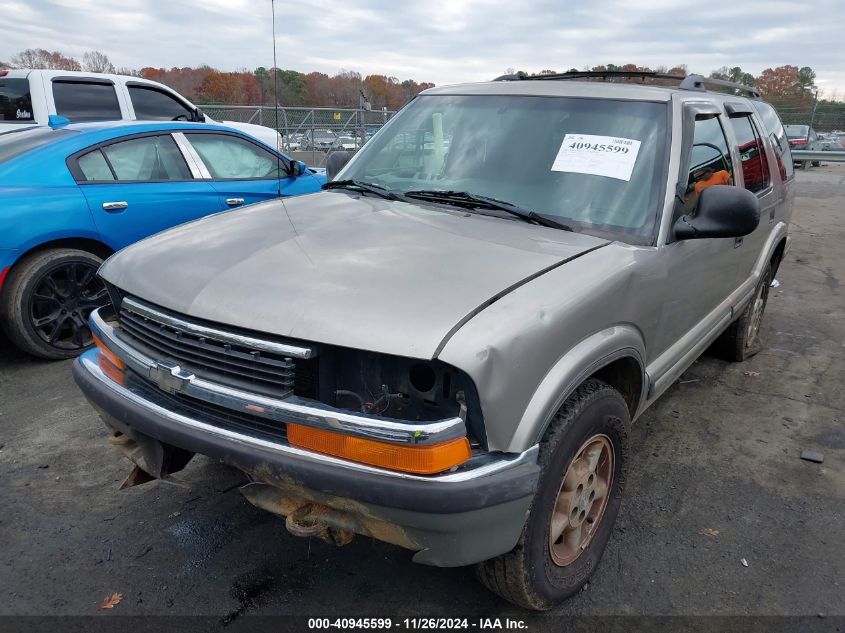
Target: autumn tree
44, 59
96, 62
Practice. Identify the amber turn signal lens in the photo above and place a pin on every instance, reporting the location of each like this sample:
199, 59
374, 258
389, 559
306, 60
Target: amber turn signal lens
420, 460
110, 355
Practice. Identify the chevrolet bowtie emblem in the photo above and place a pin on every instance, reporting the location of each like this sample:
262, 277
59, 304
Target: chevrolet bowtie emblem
169, 376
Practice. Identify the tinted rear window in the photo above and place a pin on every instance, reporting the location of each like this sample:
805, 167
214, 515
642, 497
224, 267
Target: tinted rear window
15, 101
81, 101
16, 143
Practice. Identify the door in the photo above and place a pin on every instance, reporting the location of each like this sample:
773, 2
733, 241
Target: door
756, 177
242, 171
702, 272
140, 186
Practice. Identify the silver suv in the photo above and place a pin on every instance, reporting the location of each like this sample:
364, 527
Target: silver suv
446, 349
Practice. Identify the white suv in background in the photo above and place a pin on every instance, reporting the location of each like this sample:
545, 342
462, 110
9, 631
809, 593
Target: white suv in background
29, 97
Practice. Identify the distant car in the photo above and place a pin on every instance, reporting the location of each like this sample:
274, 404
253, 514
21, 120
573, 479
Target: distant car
803, 137
75, 194
29, 97
828, 142
348, 143
320, 140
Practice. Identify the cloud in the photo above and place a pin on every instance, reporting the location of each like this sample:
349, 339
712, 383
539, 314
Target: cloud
445, 41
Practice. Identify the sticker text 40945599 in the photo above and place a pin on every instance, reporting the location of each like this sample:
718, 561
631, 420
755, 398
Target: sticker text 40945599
608, 156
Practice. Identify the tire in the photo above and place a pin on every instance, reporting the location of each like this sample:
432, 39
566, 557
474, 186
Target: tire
46, 301
817, 163
533, 574
742, 338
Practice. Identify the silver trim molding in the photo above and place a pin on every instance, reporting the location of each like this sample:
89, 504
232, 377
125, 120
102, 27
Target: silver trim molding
159, 316
171, 378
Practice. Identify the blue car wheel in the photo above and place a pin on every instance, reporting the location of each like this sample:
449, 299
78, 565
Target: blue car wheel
48, 299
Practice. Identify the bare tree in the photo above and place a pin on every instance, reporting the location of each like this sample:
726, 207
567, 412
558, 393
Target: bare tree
97, 62
44, 59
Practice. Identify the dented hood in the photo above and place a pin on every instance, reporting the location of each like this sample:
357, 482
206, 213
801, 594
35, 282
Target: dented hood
342, 269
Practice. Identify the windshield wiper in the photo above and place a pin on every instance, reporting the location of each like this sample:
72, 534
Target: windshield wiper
359, 185
474, 201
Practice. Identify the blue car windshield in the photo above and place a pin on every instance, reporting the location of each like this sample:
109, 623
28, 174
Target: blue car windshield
20, 141
596, 165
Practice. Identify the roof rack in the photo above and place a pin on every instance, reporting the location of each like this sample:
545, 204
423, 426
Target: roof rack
686, 82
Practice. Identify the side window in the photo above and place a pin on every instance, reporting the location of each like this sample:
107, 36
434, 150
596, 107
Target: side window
235, 158
148, 158
15, 101
777, 136
93, 166
710, 160
155, 105
755, 167
84, 101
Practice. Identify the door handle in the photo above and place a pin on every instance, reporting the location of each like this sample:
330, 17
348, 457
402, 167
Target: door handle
234, 202
115, 206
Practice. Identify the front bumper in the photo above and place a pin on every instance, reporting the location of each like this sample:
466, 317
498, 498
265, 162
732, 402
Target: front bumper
472, 513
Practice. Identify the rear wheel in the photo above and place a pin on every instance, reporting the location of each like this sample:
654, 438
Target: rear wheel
47, 299
742, 338
584, 461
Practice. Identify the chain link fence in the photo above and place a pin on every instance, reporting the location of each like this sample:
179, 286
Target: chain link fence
309, 134
823, 116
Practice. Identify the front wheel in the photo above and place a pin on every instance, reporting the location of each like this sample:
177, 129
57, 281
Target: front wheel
584, 462
47, 300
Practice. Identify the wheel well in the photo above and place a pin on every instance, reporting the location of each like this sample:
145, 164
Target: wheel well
84, 244
777, 256
626, 376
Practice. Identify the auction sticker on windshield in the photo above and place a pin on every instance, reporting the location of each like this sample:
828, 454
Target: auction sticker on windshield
609, 156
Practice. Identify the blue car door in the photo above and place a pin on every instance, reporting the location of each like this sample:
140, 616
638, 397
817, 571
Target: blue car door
244, 171
139, 186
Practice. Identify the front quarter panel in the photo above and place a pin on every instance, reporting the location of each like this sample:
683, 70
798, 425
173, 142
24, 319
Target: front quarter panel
528, 350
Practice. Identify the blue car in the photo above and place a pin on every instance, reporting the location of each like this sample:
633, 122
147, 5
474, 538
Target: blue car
71, 195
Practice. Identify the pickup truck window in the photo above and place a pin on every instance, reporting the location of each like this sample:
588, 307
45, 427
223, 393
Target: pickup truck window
507, 147
147, 158
82, 101
15, 101
755, 167
154, 105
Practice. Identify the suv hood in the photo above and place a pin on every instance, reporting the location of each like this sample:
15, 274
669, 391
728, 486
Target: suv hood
342, 269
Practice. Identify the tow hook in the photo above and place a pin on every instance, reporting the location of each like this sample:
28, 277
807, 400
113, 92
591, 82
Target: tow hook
310, 520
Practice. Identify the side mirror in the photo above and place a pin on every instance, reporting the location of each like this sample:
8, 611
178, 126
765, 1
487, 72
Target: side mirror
297, 168
335, 162
199, 116
723, 211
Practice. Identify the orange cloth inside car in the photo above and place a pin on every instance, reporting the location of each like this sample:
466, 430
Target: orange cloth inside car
721, 177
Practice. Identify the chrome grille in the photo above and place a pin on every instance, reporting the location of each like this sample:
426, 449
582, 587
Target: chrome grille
211, 355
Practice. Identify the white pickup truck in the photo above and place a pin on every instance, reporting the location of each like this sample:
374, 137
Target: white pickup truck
29, 97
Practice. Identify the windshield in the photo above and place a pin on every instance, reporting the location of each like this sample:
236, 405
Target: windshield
20, 141
797, 131
596, 164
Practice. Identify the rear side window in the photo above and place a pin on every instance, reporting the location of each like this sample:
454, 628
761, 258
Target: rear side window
777, 135
18, 142
755, 167
15, 101
149, 158
84, 101
155, 105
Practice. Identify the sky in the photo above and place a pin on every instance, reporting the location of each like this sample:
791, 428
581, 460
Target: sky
443, 41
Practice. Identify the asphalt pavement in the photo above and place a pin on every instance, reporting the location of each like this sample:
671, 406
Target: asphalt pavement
716, 479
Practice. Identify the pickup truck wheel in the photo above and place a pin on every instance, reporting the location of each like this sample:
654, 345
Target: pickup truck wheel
584, 462
47, 299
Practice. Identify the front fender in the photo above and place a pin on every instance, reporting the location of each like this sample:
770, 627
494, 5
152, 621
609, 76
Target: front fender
578, 364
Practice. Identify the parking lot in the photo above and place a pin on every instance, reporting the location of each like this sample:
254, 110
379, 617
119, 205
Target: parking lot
716, 479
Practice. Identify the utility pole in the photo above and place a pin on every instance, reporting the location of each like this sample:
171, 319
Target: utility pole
815, 104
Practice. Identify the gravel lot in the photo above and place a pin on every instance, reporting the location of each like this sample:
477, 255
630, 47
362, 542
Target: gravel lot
718, 453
